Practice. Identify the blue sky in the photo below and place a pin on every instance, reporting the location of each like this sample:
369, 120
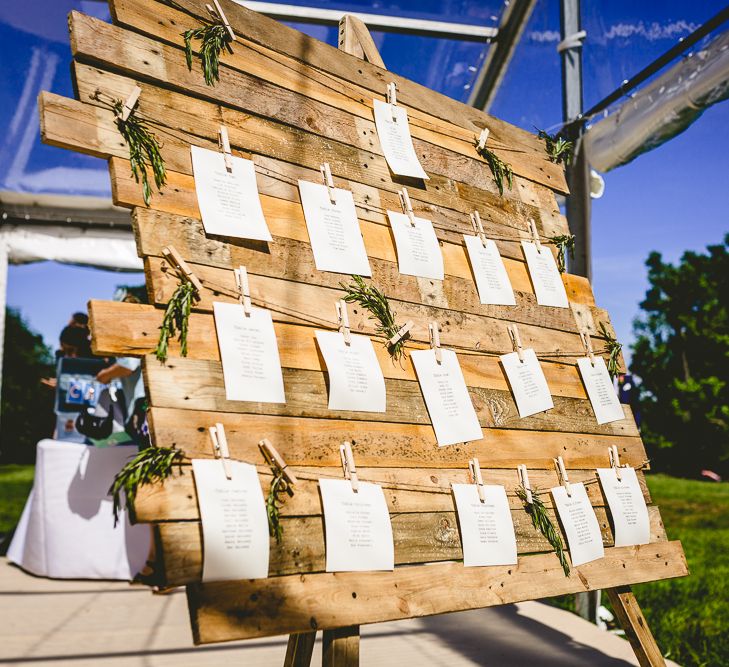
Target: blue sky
672, 199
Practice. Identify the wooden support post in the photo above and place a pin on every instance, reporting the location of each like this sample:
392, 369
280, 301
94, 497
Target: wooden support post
355, 39
636, 627
341, 647
299, 649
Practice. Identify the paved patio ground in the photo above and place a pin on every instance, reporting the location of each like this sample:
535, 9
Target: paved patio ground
110, 624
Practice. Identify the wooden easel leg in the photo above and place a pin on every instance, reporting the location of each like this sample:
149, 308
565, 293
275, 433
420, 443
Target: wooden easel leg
636, 627
299, 650
341, 647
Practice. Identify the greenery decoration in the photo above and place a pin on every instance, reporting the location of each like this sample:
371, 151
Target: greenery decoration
541, 521
613, 349
558, 148
151, 465
176, 320
501, 170
213, 37
279, 486
565, 243
376, 303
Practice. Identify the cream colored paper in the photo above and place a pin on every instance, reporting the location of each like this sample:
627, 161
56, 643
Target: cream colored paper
418, 250
489, 272
545, 276
396, 142
580, 523
527, 382
627, 506
600, 390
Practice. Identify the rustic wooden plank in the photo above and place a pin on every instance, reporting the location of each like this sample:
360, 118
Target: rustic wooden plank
424, 537
419, 490
300, 649
315, 442
230, 610
521, 148
355, 39
198, 385
340, 647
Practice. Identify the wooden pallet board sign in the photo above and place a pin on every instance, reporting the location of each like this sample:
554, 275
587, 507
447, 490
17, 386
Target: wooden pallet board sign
288, 119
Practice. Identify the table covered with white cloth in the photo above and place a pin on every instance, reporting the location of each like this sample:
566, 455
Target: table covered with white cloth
67, 528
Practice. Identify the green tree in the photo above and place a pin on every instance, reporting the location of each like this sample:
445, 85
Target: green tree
681, 353
27, 405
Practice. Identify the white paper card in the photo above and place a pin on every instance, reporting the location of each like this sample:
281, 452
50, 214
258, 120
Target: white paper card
545, 276
600, 390
355, 377
396, 142
249, 352
487, 531
357, 527
528, 384
334, 232
418, 250
627, 506
234, 521
446, 397
580, 523
228, 201
492, 281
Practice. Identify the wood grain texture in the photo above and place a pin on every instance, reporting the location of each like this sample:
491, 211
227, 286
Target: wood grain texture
243, 609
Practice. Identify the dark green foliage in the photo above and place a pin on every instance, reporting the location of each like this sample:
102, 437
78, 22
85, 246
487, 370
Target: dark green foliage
376, 303
540, 520
681, 353
15, 482
27, 405
613, 349
274, 501
565, 243
558, 148
213, 37
500, 170
176, 320
152, 465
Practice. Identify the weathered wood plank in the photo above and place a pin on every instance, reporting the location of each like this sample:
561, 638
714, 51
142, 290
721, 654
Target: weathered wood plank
315, 442
198, 385
238, 610
424, 537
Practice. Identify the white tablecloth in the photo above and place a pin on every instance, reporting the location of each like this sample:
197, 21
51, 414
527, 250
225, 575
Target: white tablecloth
67, 529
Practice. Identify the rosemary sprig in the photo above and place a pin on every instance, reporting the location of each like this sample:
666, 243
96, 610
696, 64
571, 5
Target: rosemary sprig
151, 465
541, 521
279, 486
613, 348
376, 303
213, 37
176, 320
558, 148
501, 170
565, 243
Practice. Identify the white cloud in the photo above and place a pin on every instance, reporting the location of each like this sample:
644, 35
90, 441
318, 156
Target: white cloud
649, 31
544, 36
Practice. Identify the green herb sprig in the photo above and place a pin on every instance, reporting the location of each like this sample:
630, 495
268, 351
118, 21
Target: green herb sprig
541, 521
558, 148
565, 243
377, 305
613, 348
274, 501
176, 320
151, 465
213, 37
500, 170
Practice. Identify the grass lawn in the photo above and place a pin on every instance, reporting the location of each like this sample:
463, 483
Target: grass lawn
15, 483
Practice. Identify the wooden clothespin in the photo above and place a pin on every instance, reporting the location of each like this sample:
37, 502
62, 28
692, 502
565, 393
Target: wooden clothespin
434, 331
535, 235
350, 470
326, 173
564, 480
587, 343
483, 138
220, 447
475, 469
516, 341
181, 266
615, 461
218, 13
401, 333
392, 99
406, 204
244, 289
224, 144
130, 102
343, 320
274, 459
478, 227
521, 471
